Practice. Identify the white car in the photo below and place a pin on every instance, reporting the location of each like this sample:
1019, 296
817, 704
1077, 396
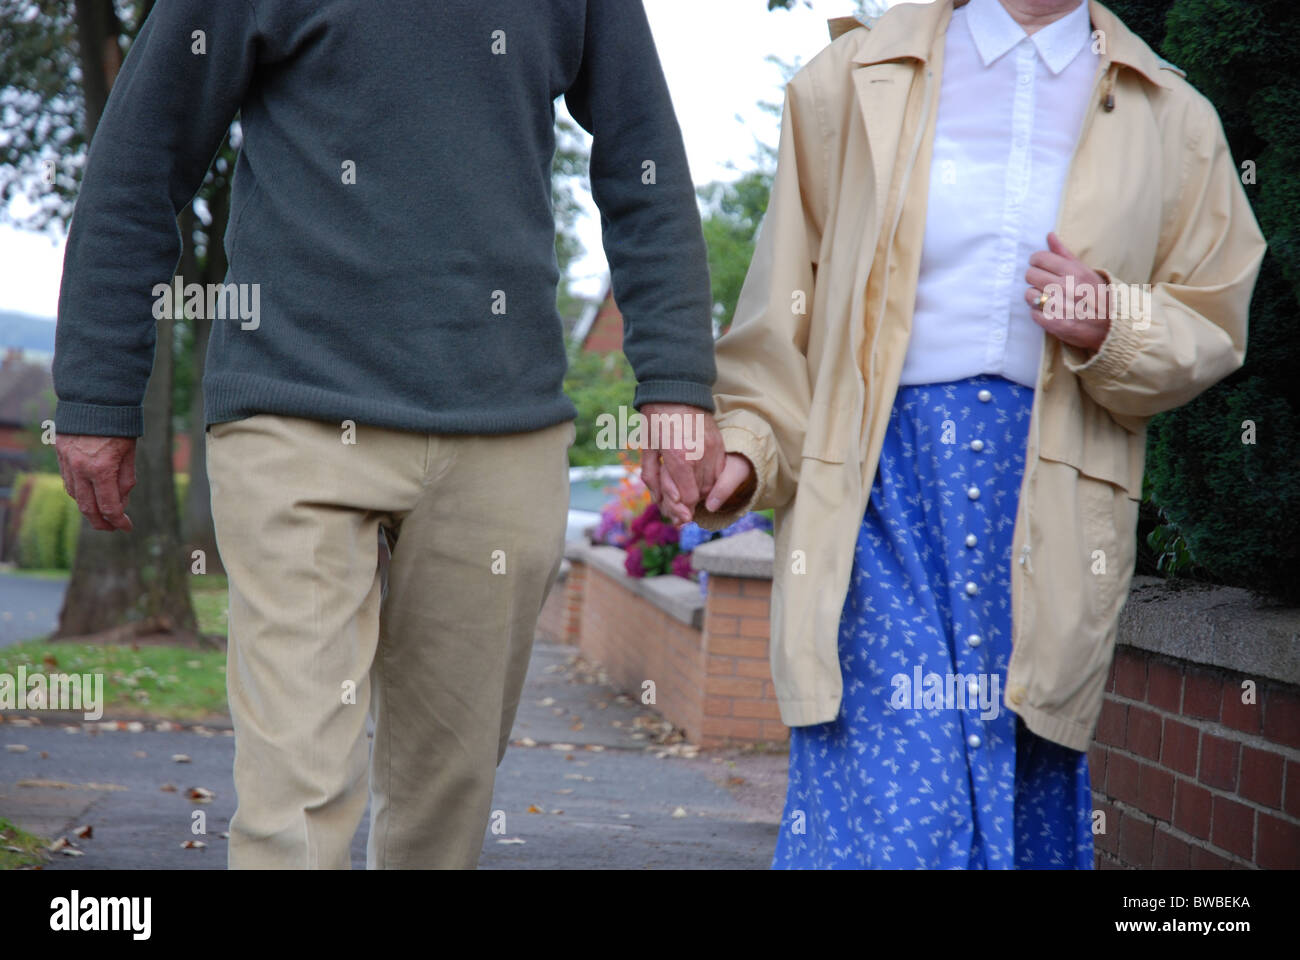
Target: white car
589, 491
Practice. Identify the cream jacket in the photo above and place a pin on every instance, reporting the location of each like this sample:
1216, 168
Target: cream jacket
808, 371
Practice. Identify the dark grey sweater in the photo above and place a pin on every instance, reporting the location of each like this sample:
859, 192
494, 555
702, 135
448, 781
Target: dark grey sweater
391, 213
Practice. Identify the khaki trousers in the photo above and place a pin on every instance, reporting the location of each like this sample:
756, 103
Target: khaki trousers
438, 658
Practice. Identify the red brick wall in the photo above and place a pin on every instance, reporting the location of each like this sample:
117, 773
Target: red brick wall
635, 641
740, 702
1189, 776
715, 684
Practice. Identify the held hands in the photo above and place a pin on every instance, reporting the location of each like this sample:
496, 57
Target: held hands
680, 477
99, 473
1082, 323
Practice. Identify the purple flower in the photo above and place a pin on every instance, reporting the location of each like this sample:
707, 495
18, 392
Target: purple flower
633, 565
682, 565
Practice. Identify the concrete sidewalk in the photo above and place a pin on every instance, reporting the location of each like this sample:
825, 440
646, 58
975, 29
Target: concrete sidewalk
592, 780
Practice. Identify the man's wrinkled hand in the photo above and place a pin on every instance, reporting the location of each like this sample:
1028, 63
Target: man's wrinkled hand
683, 457
98, 473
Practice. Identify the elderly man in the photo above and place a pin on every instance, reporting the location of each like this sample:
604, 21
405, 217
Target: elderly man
398, 366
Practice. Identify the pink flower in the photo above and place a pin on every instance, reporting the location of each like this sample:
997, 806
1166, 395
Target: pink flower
633, 565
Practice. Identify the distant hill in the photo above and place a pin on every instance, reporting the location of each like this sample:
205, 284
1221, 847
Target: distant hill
26, 331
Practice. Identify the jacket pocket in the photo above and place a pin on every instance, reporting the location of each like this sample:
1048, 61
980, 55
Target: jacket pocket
1106, 541
1113, 470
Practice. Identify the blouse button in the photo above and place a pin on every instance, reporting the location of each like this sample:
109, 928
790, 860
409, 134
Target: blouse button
984, 396
973, 493
971, 589
974, 640
971, 540
977, 445
973, 740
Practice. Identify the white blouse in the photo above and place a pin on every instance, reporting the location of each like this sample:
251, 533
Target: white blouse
1010, 111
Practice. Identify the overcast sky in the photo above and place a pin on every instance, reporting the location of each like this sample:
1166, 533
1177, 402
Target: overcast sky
713, 52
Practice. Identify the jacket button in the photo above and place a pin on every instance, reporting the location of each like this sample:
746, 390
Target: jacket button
1016, 694
973, 493
971, 589
973, 740
984, 396
970, 540
977, 445
974, 640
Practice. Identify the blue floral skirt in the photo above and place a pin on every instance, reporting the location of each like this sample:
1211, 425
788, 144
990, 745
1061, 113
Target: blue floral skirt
925, 767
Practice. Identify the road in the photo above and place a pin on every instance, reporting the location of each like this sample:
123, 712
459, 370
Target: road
29, 607
610, 796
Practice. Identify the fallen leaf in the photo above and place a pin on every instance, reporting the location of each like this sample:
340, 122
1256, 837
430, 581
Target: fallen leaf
594, 748
735, 781
45, 755
563, 746
557, 811
511, 840
193, 845
72, 852
16, 747
547, 702
57, 845
576, 726
200, 794
140, 754
224, 836
85, 833
679, 813
49, 660
525, 742
135, 726
168, 788
181, 758
533, 808
565, 791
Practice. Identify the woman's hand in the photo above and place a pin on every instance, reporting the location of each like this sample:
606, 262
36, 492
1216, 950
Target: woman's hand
735, 484
1083, 322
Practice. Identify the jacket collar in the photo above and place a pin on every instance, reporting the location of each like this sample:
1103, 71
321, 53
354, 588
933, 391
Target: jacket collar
908, 30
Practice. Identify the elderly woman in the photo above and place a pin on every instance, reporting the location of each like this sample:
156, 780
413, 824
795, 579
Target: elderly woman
1003, 234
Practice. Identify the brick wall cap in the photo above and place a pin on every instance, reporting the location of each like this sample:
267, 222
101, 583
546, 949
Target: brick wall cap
1222, 627
750, 554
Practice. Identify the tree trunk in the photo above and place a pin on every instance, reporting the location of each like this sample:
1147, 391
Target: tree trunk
99, 39
200, 533
140, 578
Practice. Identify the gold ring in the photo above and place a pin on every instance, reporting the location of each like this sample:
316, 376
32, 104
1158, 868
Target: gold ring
1042, 299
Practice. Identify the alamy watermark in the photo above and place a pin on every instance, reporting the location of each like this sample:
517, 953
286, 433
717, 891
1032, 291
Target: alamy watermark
1120, 301
947, 691
632, 430
55, 691
212, 301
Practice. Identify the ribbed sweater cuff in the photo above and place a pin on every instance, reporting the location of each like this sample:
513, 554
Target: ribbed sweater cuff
98, 420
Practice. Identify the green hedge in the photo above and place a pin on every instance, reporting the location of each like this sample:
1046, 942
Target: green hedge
41, 543
51, 523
